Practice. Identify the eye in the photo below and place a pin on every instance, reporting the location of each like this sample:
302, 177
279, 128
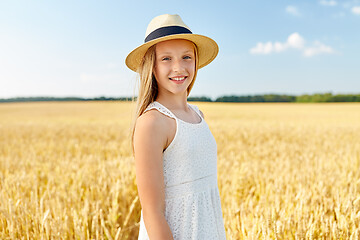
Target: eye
165, 59
187, 57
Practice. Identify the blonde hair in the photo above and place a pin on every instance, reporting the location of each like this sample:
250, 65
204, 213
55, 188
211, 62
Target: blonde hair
148, 87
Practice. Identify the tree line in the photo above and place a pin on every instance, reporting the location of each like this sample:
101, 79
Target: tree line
318, 97
62, 99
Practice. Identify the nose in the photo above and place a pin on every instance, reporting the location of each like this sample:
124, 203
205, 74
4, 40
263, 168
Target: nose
177, 66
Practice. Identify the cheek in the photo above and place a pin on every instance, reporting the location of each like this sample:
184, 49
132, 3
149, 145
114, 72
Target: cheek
160, 70
191, 67
157, 72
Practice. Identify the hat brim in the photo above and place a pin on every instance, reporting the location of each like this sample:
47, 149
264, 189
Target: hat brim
207, 49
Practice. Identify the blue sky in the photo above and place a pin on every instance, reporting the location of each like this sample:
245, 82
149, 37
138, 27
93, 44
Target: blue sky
78, 48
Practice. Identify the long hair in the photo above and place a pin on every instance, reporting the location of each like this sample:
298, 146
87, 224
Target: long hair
148, 87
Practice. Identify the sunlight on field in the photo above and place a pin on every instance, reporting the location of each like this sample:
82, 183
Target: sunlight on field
285, 171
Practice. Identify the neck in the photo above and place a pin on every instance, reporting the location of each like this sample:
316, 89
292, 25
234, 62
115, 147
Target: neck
173, 102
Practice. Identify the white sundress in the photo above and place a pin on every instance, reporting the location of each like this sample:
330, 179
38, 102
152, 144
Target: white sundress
192, 199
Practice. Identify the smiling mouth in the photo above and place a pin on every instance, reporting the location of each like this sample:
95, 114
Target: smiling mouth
178, 78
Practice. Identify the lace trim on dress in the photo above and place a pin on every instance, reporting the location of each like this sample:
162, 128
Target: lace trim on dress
161, 109
168, 113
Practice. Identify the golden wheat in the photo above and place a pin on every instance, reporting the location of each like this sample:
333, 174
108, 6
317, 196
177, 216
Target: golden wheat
285, 171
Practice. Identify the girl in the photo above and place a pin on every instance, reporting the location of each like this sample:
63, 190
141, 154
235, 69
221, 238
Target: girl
175, 152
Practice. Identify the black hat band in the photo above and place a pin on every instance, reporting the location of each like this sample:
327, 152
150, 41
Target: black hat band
165, 31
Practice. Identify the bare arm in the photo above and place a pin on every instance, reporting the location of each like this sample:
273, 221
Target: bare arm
149, 141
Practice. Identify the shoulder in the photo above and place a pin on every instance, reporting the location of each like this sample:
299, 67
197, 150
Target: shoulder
152, 129
151, 121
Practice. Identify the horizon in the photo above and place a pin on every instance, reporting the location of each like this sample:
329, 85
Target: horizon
200, 96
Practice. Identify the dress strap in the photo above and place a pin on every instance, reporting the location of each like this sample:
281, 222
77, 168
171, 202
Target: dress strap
196, 109
160, 108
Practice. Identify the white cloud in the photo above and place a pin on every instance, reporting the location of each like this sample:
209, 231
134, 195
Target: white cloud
294, 41
353, 6
317, 49
330, 3
262, 48
279, 47
356, 10
292, 10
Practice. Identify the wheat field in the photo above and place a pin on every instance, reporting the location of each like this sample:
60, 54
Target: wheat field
285, 170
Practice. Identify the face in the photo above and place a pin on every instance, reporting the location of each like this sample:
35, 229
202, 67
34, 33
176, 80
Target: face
174, 66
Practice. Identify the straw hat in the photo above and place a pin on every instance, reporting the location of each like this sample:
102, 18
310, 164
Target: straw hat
167, 27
